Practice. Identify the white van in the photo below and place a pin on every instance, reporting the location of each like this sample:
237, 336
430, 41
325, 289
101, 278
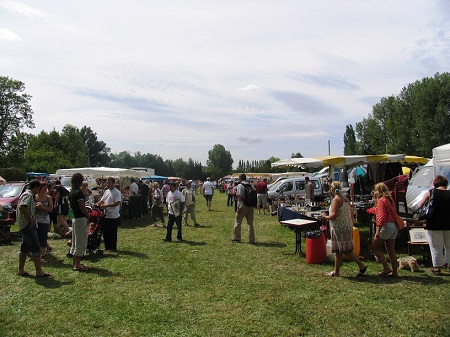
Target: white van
422, 181
295, 185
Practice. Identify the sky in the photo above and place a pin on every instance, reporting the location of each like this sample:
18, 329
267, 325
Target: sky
264, 78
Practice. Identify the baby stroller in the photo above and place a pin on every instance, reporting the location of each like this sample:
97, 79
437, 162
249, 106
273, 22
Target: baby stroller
95, 232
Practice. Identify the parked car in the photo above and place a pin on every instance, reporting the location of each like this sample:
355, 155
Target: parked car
296, 185
9, 196
422, 181
11, 192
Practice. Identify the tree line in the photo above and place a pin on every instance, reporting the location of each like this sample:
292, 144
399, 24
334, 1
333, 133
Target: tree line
46, 152
413, 122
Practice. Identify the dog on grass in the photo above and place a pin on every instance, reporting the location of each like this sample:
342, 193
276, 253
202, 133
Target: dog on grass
408, 262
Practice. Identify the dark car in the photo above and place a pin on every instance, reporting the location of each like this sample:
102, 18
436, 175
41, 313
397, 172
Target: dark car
10, 194
9, 198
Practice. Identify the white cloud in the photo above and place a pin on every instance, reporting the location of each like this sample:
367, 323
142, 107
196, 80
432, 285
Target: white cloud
24, 9
6, 34
250, 87
263, 78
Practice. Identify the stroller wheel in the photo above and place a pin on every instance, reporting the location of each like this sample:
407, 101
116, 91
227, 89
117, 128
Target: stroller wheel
99, 252
69, 255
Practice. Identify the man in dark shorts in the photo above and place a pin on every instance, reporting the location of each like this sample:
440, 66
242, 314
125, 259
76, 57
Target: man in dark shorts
26, 222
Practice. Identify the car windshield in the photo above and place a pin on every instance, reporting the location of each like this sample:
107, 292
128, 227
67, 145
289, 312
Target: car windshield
65, 182
275, 185
10, 191
424, 177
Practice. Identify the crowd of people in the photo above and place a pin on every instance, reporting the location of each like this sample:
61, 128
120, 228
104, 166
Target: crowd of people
40, 205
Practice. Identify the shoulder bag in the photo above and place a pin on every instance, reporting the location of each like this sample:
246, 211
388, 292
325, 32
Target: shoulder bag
426, 212
398, 221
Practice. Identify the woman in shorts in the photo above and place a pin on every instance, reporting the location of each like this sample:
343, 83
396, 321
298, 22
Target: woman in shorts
44, 205
386, 230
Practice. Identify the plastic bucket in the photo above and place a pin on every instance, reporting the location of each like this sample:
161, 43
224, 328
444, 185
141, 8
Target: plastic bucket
316, 250
356, 243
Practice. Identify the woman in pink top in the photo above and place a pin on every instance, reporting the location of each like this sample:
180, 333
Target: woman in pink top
386, 230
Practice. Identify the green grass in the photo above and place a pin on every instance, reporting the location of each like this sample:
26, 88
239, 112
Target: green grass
209, 286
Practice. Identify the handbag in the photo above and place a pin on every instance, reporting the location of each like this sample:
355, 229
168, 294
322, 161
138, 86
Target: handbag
398, 221
426, 212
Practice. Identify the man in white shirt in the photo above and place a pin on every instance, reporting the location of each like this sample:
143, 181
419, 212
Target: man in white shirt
133, 210
208, 191
175, 204
110, 201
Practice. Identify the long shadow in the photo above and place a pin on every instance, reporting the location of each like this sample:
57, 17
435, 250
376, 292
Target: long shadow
192, 243
423, 279
203, 226
270, 244
51, 282
126, 223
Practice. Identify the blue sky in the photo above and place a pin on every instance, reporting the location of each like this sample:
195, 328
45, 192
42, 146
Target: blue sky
263, 78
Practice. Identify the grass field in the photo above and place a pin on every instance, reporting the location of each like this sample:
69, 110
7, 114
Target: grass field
209, 286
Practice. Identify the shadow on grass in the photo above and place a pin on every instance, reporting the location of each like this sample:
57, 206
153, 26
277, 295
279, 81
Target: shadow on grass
270, 244
51, 282
202, 226
424, 279
126, 223
192, 243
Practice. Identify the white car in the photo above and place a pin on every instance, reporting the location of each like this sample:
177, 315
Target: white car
422, 181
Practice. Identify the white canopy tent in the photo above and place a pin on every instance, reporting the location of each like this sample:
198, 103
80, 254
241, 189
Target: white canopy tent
441, 155
102, 172
347, 161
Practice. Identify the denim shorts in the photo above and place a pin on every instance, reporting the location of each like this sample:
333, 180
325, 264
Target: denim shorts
30, 241
388, 231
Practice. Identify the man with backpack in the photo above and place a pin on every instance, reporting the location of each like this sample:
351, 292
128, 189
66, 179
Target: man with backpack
246, 203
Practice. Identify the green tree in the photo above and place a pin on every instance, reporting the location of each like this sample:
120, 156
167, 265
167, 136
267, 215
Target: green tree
350, 145
15, 114
122, 159
414, 122
180, 168
18, 145
219, 161
74, 145
45, 153
98, 152
296, 155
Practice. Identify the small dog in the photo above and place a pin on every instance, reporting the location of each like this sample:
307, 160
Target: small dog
408, 262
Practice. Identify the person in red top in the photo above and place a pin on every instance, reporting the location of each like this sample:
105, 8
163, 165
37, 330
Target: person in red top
261, 192
386, 230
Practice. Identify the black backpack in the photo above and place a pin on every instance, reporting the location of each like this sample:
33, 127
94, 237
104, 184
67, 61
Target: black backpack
249, 198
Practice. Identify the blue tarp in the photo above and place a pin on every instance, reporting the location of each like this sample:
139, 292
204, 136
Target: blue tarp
154, 177
37, 174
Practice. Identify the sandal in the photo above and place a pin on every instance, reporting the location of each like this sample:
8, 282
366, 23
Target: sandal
82, 268
362, 271
332, 274
44, 275
24, 274
385, 273
436, 271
